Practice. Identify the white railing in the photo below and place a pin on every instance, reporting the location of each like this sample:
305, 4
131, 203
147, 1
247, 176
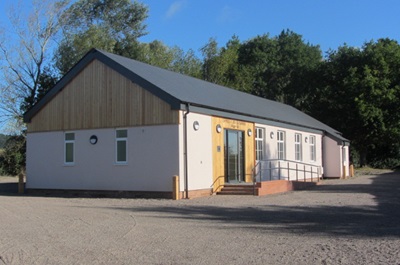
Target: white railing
268, 170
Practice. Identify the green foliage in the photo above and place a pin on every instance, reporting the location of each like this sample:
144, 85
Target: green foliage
12, 160
73, 48
273, 68
3, 139
110, 25
385, 163
220, 65
115, 26
278, 66
158, 54
358, 94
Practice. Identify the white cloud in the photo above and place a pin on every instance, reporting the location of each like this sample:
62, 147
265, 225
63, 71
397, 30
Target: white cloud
174, 8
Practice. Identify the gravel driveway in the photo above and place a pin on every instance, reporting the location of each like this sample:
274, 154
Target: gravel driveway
354, 221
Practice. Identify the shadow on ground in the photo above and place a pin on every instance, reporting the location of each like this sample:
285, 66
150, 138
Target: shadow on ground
379, 220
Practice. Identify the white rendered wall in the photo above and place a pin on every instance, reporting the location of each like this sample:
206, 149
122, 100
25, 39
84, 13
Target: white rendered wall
199, 147
270, 166
153, 153
333, 156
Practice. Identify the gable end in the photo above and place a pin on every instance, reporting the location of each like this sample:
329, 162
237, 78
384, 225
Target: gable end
100, 97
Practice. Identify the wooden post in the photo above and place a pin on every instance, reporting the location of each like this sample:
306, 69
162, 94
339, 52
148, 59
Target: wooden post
21, 183
175, 188
351, 170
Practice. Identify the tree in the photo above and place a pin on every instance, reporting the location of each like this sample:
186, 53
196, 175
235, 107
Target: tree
220, 65
110, 25
187, 63
24, 55
358, 94
3, 139
172, 58
278, 66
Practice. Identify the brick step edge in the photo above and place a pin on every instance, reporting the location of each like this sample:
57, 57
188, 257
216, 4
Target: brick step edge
234, 193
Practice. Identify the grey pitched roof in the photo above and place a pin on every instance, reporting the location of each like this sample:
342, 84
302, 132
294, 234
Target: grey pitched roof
180, 90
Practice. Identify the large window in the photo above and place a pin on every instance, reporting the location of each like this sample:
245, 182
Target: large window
121, 137
312, 148
259, 144
281, 145
69, 140
298, 147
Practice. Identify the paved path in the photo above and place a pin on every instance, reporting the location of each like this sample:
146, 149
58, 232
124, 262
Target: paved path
355, 221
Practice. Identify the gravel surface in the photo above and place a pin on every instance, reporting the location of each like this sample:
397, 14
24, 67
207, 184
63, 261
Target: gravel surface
354, 221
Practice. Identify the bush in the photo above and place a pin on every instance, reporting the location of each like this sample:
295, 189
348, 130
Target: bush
12, 160
386, 156
389, 163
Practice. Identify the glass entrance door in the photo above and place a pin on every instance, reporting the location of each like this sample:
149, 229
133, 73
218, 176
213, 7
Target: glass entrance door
234, 156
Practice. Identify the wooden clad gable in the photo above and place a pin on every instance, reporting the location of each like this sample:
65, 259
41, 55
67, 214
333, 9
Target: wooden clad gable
99, 97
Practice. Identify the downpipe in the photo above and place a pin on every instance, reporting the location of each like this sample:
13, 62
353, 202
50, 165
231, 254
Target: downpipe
185, 152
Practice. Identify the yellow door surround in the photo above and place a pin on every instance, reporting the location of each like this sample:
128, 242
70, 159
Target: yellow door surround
218, 126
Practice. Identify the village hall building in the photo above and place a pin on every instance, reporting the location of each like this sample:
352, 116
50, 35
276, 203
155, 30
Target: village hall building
116, 124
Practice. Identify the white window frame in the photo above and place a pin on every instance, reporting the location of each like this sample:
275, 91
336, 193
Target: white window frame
259, 138
67, 142
281, 136
313, 150
121, 139
298, 147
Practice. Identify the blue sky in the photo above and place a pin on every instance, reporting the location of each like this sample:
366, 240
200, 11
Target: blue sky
190, 23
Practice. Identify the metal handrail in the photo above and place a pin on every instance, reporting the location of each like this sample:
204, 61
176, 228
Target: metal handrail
256, 172
285, 160
281, 168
